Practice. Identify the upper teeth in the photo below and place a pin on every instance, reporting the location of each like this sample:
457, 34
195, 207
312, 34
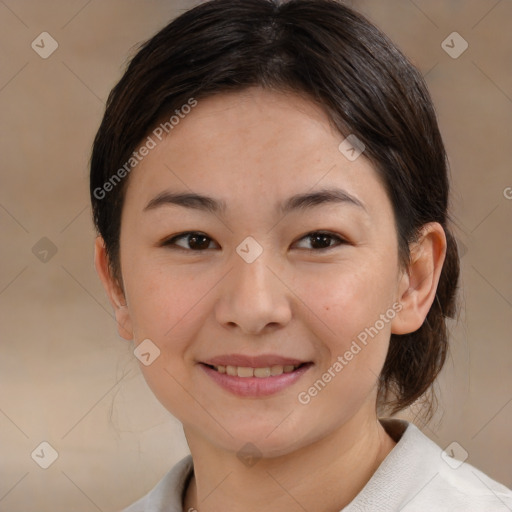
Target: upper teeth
244, 371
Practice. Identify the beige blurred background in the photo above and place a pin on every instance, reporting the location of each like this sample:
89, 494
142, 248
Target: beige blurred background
66, 376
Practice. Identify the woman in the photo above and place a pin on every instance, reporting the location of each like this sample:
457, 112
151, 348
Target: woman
270, 191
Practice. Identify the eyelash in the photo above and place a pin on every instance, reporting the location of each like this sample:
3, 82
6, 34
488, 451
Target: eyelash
170, 242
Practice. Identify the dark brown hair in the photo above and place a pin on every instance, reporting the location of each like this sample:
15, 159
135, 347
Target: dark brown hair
340, 61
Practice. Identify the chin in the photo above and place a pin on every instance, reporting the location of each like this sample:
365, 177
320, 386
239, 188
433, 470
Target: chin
262, 440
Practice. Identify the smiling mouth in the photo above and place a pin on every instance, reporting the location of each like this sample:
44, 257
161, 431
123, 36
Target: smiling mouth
264, 372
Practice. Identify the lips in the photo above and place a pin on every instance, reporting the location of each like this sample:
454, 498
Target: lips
255, 376
262, 366
261, 361
255, 382
263, 372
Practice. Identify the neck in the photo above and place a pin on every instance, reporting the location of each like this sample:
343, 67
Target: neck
324, 476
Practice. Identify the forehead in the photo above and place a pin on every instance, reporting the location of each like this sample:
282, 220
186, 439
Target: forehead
250, 144
259, 121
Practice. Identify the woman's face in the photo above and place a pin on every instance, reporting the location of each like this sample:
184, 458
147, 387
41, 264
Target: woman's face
258, 278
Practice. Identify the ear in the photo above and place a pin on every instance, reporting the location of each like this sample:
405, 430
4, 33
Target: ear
418, 283
113, 289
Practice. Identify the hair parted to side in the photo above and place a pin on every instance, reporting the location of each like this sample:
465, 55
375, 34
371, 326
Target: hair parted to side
337, 59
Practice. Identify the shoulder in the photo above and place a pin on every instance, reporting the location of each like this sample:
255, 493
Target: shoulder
418, 476
167, 494
467, 489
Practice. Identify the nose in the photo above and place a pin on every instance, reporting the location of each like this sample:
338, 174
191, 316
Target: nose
253, 298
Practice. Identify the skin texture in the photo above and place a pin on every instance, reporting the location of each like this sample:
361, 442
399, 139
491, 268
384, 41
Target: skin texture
253, 150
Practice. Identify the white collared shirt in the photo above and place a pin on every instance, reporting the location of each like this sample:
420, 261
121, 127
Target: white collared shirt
414, 477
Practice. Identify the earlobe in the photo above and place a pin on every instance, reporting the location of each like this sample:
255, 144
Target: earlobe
113, 290
418, 284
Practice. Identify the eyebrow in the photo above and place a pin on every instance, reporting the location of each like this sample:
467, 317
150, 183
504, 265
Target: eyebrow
302, 202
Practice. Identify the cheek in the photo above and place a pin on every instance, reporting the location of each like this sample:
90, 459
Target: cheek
347, 299
162, 301
352, 326
166, 307
352, 338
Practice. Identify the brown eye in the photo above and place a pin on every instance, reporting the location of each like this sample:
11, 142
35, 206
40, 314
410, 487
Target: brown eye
194, 241
320, 240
